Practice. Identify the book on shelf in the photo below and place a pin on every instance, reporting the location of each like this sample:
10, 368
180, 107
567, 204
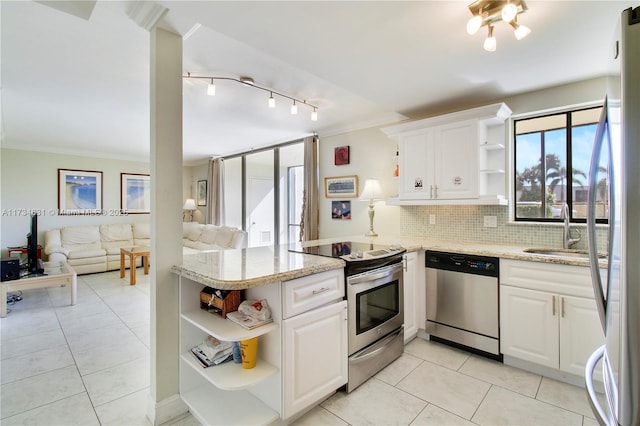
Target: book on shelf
247, 321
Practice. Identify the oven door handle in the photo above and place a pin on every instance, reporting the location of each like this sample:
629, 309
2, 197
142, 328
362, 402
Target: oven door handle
382, 345
375, 274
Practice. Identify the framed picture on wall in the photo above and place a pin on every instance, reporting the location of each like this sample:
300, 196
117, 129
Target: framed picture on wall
202, 193
135, 193
341, 186
341, 210
79, 192
341, 155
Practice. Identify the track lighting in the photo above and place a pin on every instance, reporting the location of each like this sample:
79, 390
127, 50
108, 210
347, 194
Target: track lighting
488, 12
211, 89
248, 81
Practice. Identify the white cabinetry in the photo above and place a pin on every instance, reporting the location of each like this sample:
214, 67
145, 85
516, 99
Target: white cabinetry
301, 358
548, 315
414, 294
315, 347
457, 158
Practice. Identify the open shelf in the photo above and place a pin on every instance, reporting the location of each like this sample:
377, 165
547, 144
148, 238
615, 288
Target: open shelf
241, 408
229, 375
224, 329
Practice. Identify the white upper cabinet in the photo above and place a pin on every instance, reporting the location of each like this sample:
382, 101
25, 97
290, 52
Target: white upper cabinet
457, 158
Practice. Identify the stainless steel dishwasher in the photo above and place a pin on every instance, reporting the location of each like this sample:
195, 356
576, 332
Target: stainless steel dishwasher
462, 301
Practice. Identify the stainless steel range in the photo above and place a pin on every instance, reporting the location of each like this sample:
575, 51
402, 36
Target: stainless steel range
374, 293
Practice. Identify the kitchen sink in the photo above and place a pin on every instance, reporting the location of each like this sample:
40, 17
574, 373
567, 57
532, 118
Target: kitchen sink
562, 252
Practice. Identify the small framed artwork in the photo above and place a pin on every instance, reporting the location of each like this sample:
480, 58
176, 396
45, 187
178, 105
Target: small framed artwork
341, 210
341, 187
202, 193
135, 193
79, 192
341, 155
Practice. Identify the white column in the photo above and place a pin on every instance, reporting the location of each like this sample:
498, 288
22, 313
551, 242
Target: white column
166, 222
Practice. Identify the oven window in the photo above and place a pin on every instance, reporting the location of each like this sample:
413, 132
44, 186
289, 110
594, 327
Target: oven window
376, 306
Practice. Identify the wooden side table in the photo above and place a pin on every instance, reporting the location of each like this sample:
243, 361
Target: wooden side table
57, 274
134, 252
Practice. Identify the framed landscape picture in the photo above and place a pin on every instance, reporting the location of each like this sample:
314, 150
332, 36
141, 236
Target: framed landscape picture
341, 187
79, 192
202, 193
135, 193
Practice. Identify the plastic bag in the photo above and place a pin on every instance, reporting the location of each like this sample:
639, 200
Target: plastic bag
258, 309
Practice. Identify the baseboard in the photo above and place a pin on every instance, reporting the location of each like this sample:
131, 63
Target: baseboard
168, 409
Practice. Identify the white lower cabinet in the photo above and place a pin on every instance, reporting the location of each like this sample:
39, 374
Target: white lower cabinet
414, 294
315, 354
301, 359
554, 329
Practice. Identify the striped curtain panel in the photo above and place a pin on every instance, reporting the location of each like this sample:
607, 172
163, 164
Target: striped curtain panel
309, 219
215, 195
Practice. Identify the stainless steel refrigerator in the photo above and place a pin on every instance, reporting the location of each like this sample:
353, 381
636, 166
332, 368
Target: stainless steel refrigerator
617, 287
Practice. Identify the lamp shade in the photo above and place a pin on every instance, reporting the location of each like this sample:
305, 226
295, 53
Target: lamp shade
190, 204
372, 191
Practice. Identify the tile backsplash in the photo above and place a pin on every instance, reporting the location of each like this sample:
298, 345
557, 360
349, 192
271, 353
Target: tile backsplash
466, 223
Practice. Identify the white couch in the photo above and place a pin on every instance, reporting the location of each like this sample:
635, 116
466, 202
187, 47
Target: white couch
96, 248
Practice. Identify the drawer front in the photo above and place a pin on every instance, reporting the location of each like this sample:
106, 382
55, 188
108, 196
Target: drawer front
570, 280
303, 294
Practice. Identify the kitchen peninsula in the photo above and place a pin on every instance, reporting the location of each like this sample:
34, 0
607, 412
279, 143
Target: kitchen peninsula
302, 354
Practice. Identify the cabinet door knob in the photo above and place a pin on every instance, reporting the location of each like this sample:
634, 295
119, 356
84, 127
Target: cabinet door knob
554, 306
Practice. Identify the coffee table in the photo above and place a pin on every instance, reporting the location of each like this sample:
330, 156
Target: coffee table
134, 252
57, 274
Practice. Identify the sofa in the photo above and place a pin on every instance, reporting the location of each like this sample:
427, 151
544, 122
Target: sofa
96, 248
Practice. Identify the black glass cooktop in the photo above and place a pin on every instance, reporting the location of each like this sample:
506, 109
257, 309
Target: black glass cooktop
344, 248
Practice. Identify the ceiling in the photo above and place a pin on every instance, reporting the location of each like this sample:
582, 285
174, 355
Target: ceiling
75, 74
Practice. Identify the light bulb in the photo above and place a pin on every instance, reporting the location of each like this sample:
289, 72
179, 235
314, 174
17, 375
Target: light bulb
521, 31
294, 108
272, 101
211, 89
490, 42
474, 24
509, 11
314, 115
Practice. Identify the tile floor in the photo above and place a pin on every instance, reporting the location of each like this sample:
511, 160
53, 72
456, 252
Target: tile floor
89, 364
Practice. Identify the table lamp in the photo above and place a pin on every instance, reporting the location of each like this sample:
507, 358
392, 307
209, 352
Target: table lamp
190, 205
372, 192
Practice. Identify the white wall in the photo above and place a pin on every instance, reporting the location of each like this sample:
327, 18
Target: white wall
372, 155
30, 181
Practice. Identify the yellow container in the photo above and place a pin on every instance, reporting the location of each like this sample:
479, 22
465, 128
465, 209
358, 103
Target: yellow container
249, 350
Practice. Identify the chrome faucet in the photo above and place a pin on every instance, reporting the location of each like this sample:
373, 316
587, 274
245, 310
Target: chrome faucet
567, 241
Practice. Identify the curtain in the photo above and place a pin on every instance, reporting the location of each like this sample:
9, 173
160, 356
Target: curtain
309, 219
215, 195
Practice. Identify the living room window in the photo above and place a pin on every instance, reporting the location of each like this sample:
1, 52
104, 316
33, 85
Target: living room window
552, 155
263, 193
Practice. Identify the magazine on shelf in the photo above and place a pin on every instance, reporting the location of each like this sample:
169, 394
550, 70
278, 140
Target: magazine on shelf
247, 321
211, 353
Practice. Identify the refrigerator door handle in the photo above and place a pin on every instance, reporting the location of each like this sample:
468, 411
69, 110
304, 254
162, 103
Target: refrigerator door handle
603, 417
596, 279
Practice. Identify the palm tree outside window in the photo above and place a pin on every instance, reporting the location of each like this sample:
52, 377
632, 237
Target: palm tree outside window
552, 154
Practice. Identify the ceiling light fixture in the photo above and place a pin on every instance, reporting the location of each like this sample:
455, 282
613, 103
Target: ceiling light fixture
488, 12
211, 89
248, 81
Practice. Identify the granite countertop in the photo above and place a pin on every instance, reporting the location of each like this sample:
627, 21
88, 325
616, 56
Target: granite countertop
251, 267
503, 251
246, 268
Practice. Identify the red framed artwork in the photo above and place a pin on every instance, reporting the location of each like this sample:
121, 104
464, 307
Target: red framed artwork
341, 155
